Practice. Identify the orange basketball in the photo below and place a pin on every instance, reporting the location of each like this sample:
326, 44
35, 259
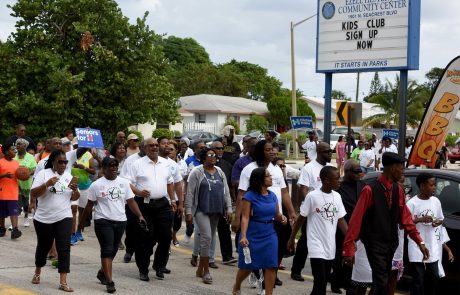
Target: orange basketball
22, 173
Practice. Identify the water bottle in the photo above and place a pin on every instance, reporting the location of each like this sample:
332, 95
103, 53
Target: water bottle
247, 255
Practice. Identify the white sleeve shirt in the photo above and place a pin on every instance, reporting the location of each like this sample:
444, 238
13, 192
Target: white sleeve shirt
153, 177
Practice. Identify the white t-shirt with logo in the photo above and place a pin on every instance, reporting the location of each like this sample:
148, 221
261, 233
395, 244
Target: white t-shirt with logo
109, 197
420, 208
322, 210
277, 179
55, 204
310, 146
309, 175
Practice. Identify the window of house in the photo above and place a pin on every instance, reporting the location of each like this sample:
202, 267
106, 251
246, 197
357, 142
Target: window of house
200, 118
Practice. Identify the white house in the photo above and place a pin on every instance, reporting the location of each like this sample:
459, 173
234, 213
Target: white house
211, 111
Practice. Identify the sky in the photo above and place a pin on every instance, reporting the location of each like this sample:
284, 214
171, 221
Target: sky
258, 31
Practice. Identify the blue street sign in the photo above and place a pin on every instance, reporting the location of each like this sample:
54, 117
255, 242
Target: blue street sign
89, 138
301, 122
391, 133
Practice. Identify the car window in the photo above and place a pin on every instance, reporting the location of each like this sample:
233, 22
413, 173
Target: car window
448, 192
410, 187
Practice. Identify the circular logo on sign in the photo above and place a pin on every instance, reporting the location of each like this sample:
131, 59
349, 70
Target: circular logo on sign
328, 10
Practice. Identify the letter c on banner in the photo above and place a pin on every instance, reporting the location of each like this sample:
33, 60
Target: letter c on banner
423, 151
436, 125
446, 103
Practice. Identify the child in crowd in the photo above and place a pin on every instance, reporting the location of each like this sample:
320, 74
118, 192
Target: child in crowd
325, 211
427, 215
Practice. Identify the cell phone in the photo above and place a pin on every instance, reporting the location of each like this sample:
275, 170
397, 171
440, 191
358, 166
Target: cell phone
73, 180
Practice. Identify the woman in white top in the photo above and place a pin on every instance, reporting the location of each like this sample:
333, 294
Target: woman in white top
108, 194
54, 190
367, 158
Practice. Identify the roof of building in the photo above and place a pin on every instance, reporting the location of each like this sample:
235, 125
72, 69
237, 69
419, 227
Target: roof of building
369, 109
208, 103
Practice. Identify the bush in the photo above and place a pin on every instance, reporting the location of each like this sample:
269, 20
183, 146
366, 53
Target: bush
231, 121
138, 133
256, 122
450, 139
162, 132
177, 133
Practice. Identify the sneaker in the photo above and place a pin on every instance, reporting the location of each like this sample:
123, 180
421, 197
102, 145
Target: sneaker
26, 222
229, 260
187, 239
73, 240
111, 287
144, 277
79, 236
10, 228
15, 233
253, 281
2, 231
176, 243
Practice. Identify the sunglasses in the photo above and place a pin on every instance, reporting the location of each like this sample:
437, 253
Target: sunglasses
65, 162
152, 145
282, 166
211, 155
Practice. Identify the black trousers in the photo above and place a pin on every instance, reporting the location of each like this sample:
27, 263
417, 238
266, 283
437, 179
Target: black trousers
177, 220
380, 258
320, 268
225, 238
47, 233
131, 231
341, 274
426, 277
157, 214
301, 252
109, 233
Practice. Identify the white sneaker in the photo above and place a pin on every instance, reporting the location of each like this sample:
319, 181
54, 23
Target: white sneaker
253, 282
26, 222
186, 239
10, 228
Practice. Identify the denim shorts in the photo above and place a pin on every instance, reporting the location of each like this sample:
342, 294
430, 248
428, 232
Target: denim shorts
9, 208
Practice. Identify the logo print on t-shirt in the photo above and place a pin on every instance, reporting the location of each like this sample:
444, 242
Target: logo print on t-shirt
114, 193
328, 211
426, 212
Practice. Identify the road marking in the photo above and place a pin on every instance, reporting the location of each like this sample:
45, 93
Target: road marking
11, 290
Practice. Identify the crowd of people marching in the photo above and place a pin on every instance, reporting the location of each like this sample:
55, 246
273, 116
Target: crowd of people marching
142, 190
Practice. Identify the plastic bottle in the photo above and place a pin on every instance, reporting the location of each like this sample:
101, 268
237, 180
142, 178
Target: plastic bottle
247, 255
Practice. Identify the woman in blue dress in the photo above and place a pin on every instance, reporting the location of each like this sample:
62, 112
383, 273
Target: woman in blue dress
259, 210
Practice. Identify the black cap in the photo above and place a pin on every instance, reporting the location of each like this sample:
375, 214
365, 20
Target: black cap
389, 158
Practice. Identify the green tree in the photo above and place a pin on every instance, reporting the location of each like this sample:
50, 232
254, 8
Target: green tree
260, 86
162, 132
376, 87
256, 122
184, 51
433, 76
388, 101
339, 95
81, 63
280, 110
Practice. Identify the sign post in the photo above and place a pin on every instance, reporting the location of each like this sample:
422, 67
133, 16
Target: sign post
364, 36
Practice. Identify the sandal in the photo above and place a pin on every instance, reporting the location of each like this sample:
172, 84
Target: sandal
65, 288
36, 279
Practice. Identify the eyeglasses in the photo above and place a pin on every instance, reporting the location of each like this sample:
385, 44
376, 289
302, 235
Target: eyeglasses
211, 155
60, 162
282, 166
152, 145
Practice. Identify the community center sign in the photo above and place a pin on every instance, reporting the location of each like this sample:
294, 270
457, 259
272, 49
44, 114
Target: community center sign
368, 35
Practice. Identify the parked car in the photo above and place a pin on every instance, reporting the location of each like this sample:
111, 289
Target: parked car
454, 155
448, 192
344, 131
200, 135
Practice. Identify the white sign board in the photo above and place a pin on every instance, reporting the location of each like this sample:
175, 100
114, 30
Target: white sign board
367, 35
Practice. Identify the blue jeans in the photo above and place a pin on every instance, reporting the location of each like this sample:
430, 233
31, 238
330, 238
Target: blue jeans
367, 169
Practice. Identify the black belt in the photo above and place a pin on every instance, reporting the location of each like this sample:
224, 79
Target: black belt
151, 200
261, 221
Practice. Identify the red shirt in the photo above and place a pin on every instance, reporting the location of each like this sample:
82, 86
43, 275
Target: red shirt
366, 201
9, 186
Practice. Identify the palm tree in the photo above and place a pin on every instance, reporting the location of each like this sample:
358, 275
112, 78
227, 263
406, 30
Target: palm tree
388, 101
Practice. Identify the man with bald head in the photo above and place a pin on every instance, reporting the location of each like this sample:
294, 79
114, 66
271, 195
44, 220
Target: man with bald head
152, 183
309, 180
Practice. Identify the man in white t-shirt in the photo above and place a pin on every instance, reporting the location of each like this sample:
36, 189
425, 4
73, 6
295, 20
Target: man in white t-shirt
310, 146
386, 147
309, 180
324, 210
427, 215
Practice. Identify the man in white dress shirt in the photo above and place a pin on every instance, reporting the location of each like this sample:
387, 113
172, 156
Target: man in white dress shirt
152, 183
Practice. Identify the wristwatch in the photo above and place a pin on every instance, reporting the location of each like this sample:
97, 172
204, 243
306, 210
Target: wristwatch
422, 243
